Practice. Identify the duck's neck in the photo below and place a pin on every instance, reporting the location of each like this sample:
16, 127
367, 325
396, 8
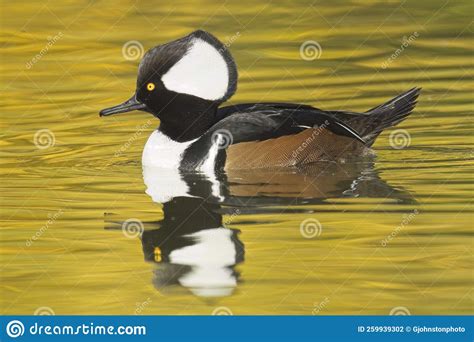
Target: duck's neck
186, 124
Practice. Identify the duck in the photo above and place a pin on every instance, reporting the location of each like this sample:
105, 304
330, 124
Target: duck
184, 83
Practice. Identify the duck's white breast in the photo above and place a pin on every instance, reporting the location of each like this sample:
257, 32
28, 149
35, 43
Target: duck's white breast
161, 151
161, 160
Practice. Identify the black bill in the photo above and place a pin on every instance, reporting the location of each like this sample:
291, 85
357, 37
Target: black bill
129, 105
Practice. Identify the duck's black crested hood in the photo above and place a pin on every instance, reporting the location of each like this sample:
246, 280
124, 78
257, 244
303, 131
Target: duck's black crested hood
197, 64
182, 83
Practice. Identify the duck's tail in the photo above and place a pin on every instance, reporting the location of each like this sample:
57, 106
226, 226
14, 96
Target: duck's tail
387, 115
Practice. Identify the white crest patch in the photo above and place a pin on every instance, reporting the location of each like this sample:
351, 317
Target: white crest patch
202, 72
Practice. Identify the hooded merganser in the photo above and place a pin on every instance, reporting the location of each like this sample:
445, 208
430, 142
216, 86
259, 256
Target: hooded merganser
184, 82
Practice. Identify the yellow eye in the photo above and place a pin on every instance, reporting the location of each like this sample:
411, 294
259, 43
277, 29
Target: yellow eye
150, 86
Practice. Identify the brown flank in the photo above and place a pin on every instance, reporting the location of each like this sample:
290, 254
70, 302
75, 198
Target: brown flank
311, 145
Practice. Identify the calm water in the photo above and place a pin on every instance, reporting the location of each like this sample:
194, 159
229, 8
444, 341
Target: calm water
364, 237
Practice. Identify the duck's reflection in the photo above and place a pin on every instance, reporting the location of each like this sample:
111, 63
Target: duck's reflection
192, 248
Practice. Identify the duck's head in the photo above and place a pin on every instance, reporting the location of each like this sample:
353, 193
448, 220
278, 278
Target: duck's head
193, 74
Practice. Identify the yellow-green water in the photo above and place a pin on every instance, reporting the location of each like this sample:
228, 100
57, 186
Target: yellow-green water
80, 264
